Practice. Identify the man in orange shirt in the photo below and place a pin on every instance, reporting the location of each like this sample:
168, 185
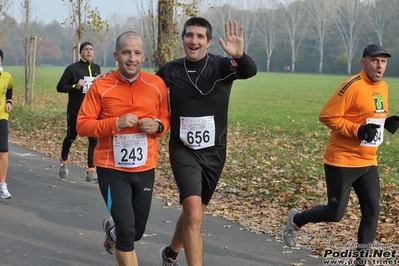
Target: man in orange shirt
356, 115
127, 111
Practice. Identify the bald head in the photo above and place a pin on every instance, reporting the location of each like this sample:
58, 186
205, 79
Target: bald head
129, 54
123, 36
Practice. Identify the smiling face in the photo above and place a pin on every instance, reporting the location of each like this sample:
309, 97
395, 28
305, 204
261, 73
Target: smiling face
129, 54
374, 66
195, 43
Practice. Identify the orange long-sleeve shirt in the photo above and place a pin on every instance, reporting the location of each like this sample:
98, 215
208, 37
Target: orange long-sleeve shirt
112, 97
357, 101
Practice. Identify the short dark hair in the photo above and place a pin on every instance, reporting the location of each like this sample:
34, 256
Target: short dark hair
1, 54
197, 21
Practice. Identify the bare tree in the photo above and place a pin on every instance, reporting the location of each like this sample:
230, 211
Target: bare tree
78, 10
218, 15
30, 52
81, 15
169, 12
319, 23
267, 19
380, 12
100, 29
103, 37
186, 9
172, 15
349, 19
69, 34
245, 16
203, 7
26, 4
293, 17
4, 7
119, 24
148, 21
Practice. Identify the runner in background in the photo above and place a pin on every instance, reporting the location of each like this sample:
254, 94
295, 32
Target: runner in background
6, 87
76, 81
356, 114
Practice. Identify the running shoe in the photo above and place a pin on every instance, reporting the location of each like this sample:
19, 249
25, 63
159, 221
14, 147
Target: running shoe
92, 177
4, 194
166, 261
109, 244
63, 170
290, 230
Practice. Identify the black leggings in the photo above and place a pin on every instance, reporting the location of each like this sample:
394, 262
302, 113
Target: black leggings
366, 183
128, 198
70, 138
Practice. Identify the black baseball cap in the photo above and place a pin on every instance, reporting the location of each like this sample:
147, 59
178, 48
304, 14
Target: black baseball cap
373, 50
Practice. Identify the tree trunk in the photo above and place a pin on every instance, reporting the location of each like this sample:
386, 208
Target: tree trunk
165, 31
321, 62
27, 48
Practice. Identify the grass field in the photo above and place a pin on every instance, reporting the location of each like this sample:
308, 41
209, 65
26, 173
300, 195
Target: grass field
275, 149
286, 104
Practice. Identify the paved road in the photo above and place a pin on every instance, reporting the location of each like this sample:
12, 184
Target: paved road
54, 222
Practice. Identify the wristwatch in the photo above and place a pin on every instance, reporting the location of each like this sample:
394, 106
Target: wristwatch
160, 127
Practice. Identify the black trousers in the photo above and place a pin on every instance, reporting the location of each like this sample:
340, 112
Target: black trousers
339, 180
128, 198
70, 138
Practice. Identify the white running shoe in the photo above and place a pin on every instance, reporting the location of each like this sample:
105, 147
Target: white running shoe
4, 194
109, 244
63, 170
290, 230
92, 177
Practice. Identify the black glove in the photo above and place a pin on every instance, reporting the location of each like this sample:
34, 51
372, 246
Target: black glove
367, 132
392, 124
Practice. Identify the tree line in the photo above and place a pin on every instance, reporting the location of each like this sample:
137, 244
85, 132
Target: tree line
308, 36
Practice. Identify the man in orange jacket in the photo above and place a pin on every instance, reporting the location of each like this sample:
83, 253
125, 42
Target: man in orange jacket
356, 114
127, 111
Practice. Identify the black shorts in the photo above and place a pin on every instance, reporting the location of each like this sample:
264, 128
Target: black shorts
3, 135
196, 172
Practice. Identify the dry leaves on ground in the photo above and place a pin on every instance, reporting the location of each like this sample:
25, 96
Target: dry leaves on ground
267, 172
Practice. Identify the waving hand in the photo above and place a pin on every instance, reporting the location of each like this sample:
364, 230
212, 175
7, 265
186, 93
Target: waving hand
234, 43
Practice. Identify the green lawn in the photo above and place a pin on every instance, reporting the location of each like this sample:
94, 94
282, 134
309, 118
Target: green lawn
273, 120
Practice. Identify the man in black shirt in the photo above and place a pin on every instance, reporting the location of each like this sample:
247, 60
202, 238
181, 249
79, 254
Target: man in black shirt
200, 85
76, 81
